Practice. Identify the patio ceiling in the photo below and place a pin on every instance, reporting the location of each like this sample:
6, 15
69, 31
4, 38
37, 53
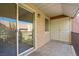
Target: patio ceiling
55, 9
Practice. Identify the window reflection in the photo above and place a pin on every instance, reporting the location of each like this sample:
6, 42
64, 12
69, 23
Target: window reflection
25, 39
7, 36
25, 30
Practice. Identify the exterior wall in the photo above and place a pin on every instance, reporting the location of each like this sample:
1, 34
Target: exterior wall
61, 29
75, 34
75, 24
41, 37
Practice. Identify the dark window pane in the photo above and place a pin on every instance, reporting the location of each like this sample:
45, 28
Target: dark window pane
46, 25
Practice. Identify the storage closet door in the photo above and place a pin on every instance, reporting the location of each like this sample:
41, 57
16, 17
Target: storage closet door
61, 29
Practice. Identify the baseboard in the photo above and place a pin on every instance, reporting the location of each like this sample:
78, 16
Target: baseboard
63, 42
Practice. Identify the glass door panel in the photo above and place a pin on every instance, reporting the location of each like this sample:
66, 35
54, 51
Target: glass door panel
25, 30
8, 29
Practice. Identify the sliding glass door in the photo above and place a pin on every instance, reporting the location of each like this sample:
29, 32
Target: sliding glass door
25, 30
14, 41
8, 30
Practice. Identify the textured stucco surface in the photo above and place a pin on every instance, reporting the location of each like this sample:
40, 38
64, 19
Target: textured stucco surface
75, 24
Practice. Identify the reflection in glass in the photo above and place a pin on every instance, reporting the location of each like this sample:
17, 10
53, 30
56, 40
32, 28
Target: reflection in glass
7, 36
7, 30
25, 30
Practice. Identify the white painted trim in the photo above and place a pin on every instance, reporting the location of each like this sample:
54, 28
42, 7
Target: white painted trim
17, 30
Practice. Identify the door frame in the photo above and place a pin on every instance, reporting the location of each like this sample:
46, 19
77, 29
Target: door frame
33, 31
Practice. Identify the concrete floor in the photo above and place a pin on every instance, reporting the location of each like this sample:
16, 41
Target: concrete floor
55, 48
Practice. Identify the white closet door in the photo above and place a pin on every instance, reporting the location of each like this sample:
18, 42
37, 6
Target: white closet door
54, 30
61, 29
